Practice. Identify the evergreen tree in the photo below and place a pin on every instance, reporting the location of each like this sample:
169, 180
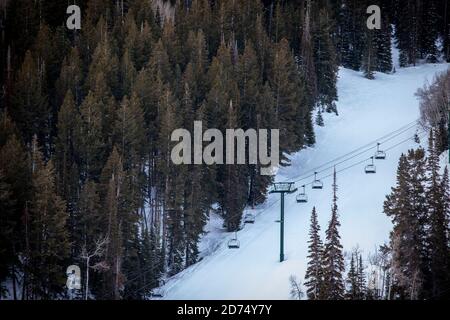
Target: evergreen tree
7, 228
326, 63
67, 140
361, 279
234, 195
438, 232
114, 220
407, 32
351, 34
406, 205
382, 42
71, 77
285, 83
369, 58
48, 238
428, 33
307, 53
352, 281
30, 101
314, 272
92, 146
333, 258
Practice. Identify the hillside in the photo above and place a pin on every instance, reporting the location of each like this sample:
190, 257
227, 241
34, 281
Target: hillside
369, 110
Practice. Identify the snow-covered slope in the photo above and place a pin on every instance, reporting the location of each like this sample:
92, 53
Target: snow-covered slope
368, 110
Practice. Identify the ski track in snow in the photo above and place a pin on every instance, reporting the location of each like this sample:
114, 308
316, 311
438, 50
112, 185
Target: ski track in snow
367, 110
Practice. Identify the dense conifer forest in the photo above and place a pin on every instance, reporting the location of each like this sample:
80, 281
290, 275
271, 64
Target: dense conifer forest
86, 117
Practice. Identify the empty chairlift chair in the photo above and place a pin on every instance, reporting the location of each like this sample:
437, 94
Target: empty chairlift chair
249, 218
370, 168
380, 154
158, 292
317, 184
302, 197
234, 243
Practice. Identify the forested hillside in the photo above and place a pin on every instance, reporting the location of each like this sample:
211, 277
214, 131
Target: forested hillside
86, 118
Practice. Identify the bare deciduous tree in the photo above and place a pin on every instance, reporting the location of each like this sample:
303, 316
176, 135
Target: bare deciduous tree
98, 251
296, 290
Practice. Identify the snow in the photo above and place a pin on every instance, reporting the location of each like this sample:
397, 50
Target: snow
368, 110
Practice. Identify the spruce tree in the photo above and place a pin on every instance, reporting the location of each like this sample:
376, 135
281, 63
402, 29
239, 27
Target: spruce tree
48, 238
92, 147
438, 233
326, 63
314, 272
30, 110
333, 257
406, 205
361, 279
352, 292
285, 83
428, 33
369, 57
382, 42
66, 157
71, 77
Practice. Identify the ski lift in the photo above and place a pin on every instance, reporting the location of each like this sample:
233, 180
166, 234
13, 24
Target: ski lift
234, 243
249, 218
317, 184
380, 154
370, 168
302, 197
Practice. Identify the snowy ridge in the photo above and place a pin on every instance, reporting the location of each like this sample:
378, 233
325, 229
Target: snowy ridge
368, 110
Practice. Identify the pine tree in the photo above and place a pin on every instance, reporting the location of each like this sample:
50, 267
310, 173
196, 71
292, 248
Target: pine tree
326, 63
129, 131
319, 118
49, 239
71, 77
15, 185
314, 272
351, 34
361, 279
114, 220
233, 186
30, 110
407, 32
92, 147
382, 42
307, 53
438, 233
7, 228
285, 82
105, 62
406, 206
333, 257
127, 73
369, 57
428, 33
67, 140
352, 281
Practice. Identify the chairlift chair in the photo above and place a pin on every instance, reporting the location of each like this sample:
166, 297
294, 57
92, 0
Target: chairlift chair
380, 154
317, 184
370, 168
302, 197
249, 218
234, 243
158, 292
